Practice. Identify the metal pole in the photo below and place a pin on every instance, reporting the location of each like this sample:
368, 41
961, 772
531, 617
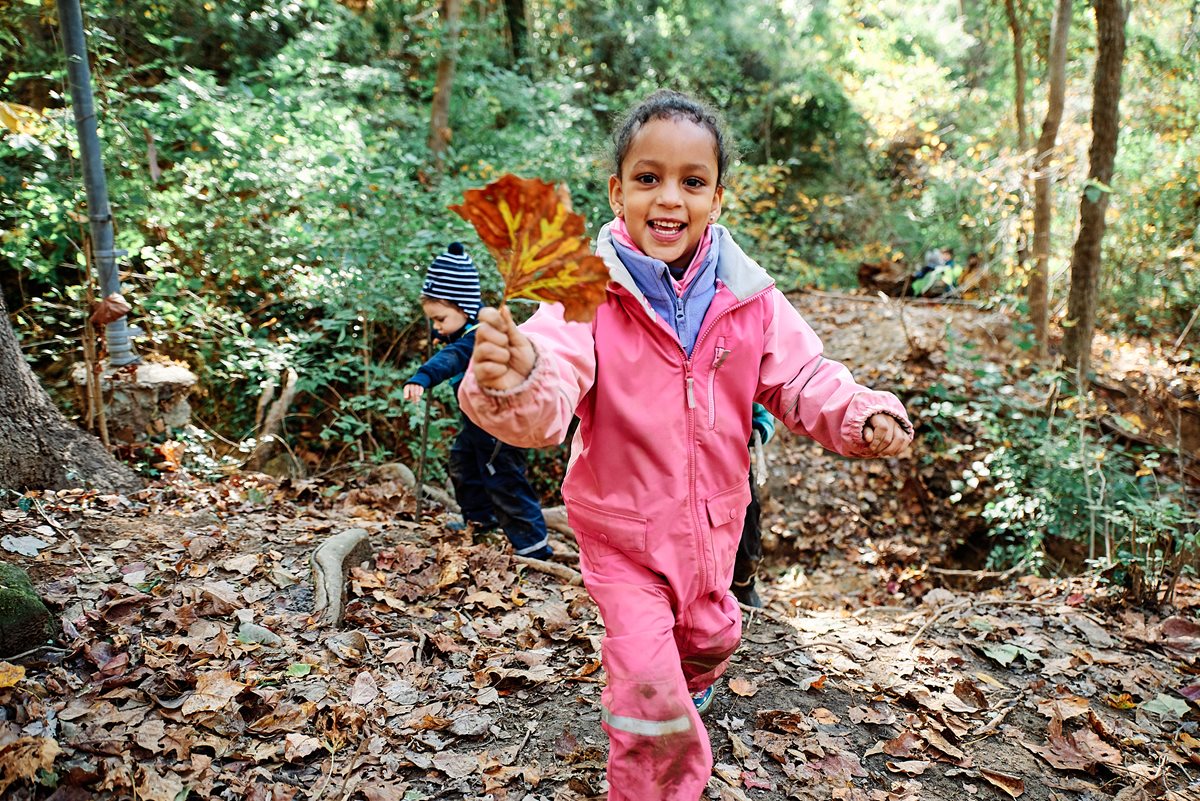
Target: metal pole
120, 349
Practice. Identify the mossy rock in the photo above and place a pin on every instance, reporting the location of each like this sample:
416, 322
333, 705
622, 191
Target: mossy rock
24, 619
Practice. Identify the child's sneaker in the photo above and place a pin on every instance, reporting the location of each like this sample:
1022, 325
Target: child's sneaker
703, 699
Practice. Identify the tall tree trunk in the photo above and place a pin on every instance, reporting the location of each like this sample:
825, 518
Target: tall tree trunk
1019, 81
1085, 260
1014, 23
518, 34
39, 448
439, 123
1043, 181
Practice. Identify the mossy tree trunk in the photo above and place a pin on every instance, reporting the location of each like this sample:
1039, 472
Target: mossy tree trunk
39, 448
24, 619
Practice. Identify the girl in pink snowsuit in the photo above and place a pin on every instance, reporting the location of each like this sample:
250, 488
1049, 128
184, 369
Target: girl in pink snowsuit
691, 334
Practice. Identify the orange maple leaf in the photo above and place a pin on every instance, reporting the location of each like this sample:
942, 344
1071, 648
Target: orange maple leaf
538, 243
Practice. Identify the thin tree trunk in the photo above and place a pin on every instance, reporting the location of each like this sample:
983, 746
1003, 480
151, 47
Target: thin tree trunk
1085, 260
39, 448
1014, 23
1019, 80
1043, 181
518, 33
439, 123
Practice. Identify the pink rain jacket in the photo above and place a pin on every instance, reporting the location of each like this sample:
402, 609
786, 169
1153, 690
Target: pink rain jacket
659, 462
658, 485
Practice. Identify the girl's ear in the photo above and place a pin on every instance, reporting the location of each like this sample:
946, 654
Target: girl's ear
715, 211
616, 197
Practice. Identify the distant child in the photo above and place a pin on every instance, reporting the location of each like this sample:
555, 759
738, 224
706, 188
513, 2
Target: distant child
488, 475
691, 334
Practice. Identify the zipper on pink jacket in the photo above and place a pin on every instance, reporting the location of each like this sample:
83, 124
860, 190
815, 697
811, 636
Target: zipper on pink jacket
697, 523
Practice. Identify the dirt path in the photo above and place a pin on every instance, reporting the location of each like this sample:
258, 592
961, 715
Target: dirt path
191, 661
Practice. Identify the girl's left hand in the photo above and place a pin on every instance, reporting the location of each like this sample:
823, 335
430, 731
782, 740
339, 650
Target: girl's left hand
885, 436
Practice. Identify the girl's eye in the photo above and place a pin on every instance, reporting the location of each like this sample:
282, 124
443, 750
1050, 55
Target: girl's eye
694, 183
645, 178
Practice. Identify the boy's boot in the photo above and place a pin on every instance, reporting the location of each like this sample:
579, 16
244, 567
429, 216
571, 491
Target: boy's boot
746, 594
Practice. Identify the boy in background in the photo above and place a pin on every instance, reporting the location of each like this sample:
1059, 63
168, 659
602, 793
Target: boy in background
488, 475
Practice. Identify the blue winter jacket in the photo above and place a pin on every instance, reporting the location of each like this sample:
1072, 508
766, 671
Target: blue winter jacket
449, 363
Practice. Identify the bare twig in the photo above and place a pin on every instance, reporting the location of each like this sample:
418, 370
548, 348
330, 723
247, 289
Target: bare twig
979, 575
1186, 329
52, 649
933, 619
362, 741
562, 572
74, 540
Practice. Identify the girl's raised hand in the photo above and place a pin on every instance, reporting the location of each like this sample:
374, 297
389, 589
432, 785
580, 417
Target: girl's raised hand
413, 392
885, 436
504, 356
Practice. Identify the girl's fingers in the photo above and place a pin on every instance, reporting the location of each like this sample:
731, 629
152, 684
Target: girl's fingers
492, 352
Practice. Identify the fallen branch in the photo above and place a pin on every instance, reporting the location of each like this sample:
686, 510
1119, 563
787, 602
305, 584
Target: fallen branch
978, 575
981, 305
562, 572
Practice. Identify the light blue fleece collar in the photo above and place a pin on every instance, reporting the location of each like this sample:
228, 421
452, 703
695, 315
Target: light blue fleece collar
682, 313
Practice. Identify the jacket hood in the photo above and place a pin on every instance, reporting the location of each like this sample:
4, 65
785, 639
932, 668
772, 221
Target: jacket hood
737, 271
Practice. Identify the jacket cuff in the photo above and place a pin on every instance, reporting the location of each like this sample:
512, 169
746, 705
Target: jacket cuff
854, 428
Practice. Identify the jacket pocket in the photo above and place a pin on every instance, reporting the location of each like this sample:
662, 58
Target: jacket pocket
719, 357
618, 530
729, 506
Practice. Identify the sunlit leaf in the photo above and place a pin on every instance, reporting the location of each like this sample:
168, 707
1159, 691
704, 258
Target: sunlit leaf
19, 119
10, 674
539, 244
23, 757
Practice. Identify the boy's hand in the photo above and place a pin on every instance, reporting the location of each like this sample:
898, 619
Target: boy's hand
504, 356
885, 436
413, 392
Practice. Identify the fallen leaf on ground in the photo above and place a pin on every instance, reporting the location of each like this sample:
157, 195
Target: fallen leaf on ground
1012, 785
743, 687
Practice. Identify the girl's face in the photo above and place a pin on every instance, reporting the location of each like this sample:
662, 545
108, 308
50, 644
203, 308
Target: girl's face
667, 191
446, 318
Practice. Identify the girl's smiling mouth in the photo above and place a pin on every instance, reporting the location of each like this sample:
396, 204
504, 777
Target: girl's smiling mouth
666, 230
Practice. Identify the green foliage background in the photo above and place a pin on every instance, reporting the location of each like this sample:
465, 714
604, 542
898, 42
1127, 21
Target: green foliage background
298, 204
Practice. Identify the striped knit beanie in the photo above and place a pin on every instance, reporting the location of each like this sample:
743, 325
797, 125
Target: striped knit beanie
452, 277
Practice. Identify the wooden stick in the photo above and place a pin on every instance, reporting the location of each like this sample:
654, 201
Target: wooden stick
1186, 329
566, 574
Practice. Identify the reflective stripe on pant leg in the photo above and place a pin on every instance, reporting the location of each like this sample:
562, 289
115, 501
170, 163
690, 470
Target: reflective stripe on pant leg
646, 728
